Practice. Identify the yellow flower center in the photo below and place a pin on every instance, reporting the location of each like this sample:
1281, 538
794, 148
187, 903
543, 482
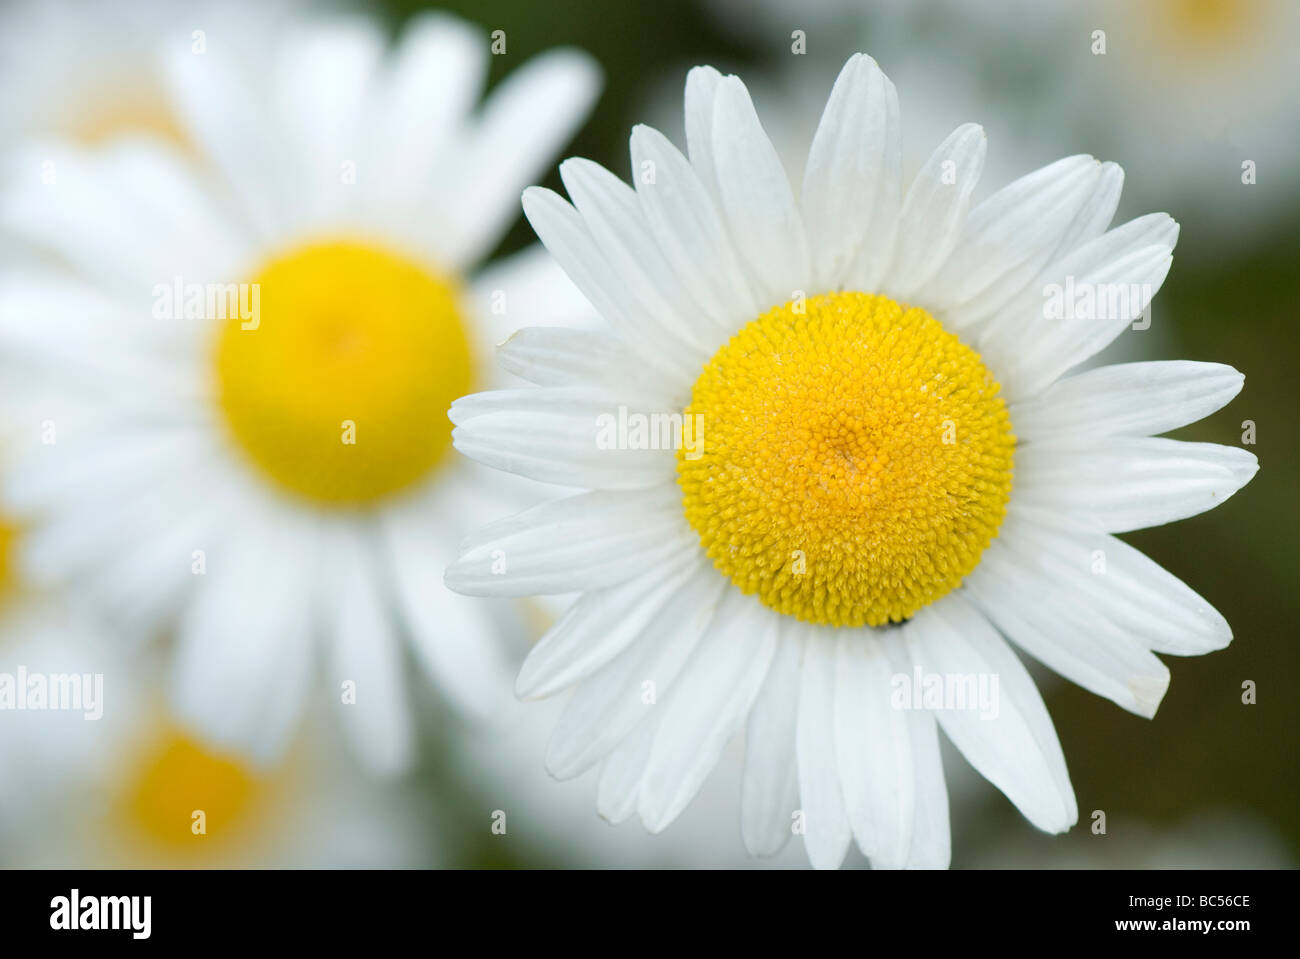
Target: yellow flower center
856, 459
336, 372
180, 793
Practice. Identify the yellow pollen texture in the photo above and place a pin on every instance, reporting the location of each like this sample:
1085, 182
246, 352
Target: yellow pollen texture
335, 374
856, 462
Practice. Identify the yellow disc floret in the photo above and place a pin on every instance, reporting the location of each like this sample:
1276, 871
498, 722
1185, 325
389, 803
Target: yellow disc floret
336, 372
856, 459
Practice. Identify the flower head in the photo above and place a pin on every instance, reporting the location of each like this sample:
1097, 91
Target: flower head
236, 428
833, 455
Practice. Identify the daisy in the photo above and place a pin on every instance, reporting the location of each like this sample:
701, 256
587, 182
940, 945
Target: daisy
815, 511
85, 70
132, 788
238, 381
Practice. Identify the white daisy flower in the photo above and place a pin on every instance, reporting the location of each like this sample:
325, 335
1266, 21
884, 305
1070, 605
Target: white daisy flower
85, 70
240, 384
812, 503
117, 782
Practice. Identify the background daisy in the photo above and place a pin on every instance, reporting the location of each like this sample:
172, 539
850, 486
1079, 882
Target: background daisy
132, 789
270, 463
1181, 93
86, 70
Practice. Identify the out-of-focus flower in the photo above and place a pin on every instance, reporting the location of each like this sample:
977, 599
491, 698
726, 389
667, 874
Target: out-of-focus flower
34, 624
252, 367
1196, 98
843, 465
87, 70
130, 788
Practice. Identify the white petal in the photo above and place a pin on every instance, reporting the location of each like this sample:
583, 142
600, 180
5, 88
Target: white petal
828, 832
555, 356
756, 199
1125, 483
1042, 615
431, 82
152, 548
366, 651
873, 749
659, 306
608, 704
701, 91
1097, 211
319, 91
1007, 239
769, 796
1017, 750
243, 655
527, 289
564, 435
455, 638
690, 231
599, 626
621, 773
131, 495
931, 834
1120, 584
122, 460
527, 119
1122, 269
1130, 399
934, 209
706, 706
132, 217
583, 542
851, 186
562, 229
223, 113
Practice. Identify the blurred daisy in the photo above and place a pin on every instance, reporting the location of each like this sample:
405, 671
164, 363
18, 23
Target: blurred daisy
132, 789
251, 373
85, 70
1194, 97
1198, 96
39, 633
802, 511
